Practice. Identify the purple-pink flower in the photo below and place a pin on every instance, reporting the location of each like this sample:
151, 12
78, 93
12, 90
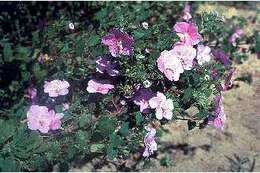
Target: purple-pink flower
42, 119
186, 12
220, 116
106, 64
203, 54
142, 97
236, 35
119, 43
149, 142
98, 87
188, 33
56, 88
162, 106
220, 56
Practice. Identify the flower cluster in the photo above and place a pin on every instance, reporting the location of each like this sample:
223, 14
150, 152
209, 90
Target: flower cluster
41, 117
119, 43
173, 62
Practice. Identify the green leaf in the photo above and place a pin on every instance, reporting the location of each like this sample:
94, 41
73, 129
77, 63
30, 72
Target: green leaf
111, 152
106, 126
124, 129
138, 118
97, 148
38, 72
138, 34
93, 40
8, 52
23, 54
83, 120
9, 165
7, 129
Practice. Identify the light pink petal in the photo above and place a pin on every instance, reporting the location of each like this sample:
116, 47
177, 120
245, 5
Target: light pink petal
154, 102
181, 27
159, 113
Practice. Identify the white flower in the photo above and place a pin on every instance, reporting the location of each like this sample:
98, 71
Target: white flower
71, 26
123, 102
145, 25
147, 83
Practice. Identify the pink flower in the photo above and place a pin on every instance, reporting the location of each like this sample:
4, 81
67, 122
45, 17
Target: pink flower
188, 33
96, 87
162, 106
170, 65
55, 120
31, 93
141, 98
220, 116
186, 12
119, 43
203, 54
56, 88
236, 35
149, 142
185, 54
40, 118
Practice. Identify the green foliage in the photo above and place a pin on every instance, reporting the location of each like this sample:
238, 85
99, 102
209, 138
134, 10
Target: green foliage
41, 47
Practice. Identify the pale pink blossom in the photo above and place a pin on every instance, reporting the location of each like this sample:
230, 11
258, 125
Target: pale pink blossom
149, 142
185, 54
56, 88
55, 120
188, 33
203, 54
186, 12
119, 43
162, 106
98, 87
42, 119
170, 65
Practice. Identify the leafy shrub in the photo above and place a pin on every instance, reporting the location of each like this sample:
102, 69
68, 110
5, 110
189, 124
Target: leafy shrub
112, 124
